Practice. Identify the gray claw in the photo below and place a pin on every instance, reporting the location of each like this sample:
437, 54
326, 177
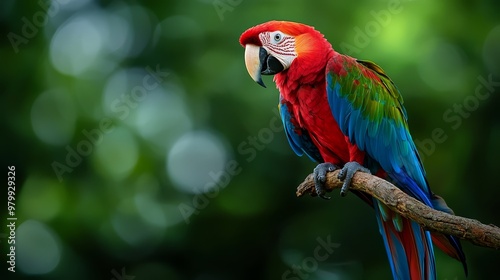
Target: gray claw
320, 177
347, 173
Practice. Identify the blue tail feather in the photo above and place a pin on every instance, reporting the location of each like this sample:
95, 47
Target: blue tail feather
409, 249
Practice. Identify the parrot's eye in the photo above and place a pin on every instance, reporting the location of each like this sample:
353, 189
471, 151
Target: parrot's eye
277, 37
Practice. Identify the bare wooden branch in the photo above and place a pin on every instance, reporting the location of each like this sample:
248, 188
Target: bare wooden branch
431, 219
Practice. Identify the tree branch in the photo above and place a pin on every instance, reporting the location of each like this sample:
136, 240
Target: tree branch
430, 219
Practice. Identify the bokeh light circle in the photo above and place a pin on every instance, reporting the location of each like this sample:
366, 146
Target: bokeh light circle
195, 160
443, 66
53, 117
118, 153
37, 248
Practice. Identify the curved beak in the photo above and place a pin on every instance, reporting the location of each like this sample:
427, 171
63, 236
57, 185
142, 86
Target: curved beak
259, 62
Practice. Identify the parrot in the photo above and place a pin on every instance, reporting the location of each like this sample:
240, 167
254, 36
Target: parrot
347, 114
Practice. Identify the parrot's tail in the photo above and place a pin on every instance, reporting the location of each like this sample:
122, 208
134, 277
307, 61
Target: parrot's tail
447, 243
408, 246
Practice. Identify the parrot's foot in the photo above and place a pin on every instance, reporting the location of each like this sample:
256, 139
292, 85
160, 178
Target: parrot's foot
346, 174
320, 177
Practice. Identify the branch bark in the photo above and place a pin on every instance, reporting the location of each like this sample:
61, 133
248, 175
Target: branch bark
407, 206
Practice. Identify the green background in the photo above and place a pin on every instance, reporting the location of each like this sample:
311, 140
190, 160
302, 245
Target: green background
112, 163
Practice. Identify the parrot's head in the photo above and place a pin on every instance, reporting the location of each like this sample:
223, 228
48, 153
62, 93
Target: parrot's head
277, 46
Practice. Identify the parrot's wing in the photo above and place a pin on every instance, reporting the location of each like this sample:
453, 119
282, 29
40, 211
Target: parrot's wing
369, 110
299, 138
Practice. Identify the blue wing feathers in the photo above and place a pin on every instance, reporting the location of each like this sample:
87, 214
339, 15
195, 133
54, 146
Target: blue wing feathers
386, 141
301, 143
288, 126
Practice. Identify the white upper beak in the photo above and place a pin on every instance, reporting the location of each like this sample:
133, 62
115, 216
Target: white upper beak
253, 63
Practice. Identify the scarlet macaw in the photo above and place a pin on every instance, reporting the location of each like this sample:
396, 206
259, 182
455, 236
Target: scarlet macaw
347, 113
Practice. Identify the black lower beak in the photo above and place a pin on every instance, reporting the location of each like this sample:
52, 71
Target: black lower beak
270, 65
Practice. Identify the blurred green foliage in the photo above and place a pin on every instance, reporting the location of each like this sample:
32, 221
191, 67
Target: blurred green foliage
119, 116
